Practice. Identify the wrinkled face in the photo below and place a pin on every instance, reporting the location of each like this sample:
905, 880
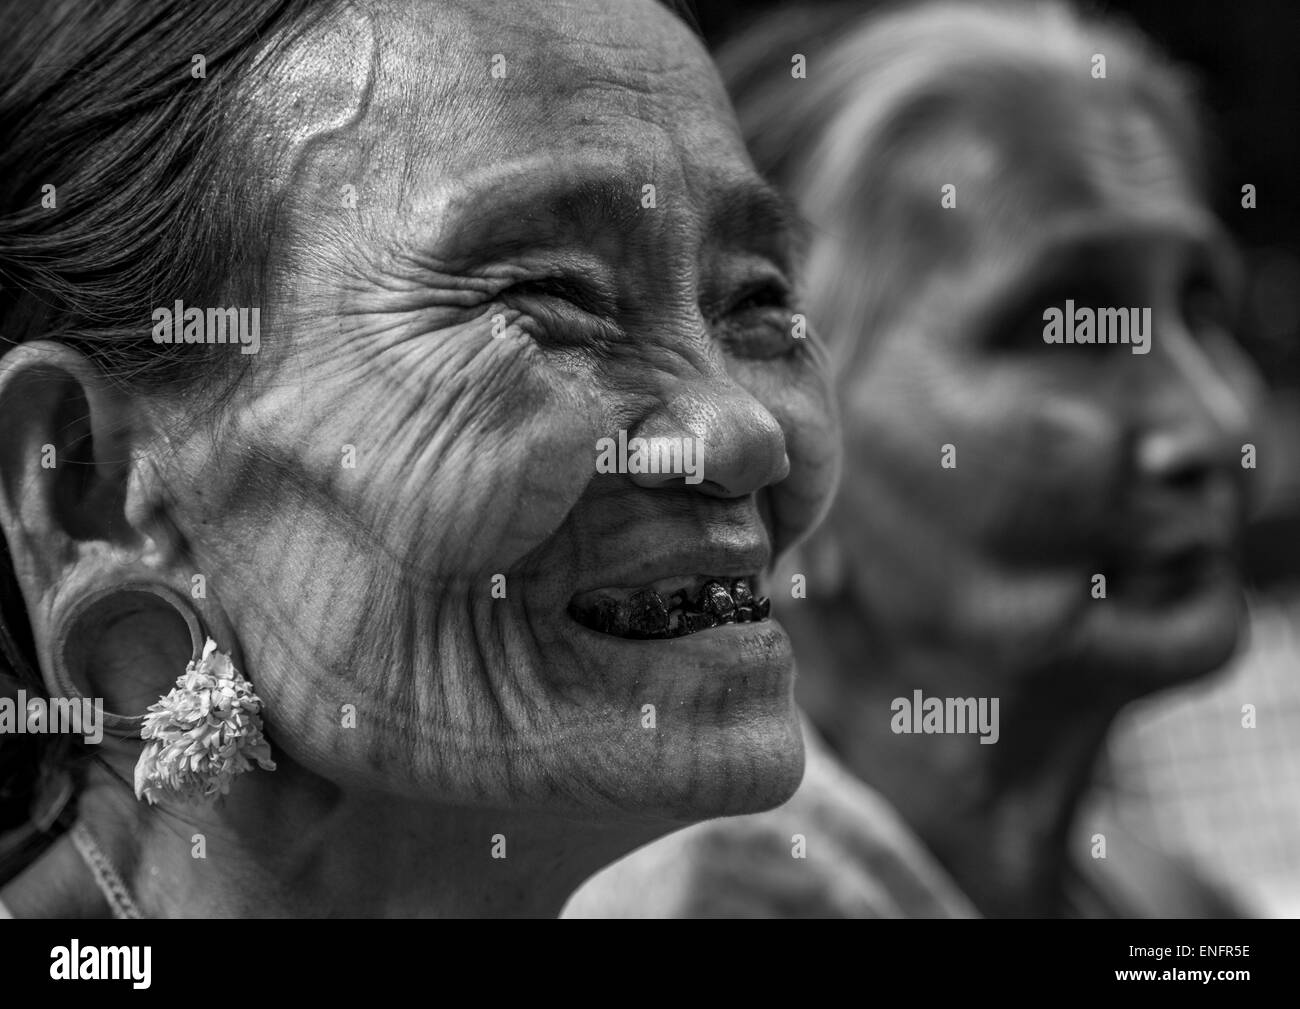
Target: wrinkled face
405, 512
1069, 460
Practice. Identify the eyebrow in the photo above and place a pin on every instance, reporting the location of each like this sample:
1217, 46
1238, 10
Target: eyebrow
493, 216
739, 203
757, 210
1077, 256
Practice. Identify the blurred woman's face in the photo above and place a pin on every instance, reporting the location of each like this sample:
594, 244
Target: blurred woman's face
404, 501
1070, 460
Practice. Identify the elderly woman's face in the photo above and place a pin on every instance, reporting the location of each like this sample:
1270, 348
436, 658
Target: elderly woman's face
403, 502
1068, 460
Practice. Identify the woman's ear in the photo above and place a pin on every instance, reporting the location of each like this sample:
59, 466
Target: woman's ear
64, 465
103, 569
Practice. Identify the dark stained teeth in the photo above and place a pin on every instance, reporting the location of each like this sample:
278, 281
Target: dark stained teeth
718, 602
647, 613
698, 622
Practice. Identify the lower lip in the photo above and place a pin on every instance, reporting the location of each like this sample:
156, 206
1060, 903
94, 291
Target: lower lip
764, 640
1179, 573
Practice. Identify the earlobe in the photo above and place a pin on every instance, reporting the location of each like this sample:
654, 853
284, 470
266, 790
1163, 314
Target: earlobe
147, 620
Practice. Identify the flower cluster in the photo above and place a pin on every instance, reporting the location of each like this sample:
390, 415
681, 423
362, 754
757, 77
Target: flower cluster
202, 734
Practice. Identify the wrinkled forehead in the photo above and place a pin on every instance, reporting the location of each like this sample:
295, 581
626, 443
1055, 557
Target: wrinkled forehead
1061, 162
1054, 171
401, 97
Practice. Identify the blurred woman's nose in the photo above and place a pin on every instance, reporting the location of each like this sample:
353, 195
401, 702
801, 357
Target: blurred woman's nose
1200, 408
739, 445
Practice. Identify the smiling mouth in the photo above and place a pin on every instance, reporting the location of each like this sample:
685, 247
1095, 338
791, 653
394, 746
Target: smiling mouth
670, 607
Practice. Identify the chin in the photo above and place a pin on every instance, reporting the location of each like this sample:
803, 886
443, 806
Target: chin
749, 770
700, 772
701, 767
725, 739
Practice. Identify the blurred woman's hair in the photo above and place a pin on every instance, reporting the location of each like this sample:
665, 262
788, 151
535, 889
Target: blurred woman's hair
900, 101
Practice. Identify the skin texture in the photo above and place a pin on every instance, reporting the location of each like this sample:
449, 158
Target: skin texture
474, 456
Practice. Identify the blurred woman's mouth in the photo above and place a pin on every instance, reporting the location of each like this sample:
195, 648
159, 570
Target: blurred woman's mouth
670, 607
1177, 574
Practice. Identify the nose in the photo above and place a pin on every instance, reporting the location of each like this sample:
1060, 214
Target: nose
739, 445
1200, 409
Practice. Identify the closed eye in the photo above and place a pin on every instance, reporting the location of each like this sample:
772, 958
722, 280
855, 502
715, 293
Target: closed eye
564, 309
577, 294
1206, 305
757, 323
766, 294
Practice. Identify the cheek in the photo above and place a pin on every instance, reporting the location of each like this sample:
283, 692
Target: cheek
351, 525
454, 451
1012, 457
1055, 463
803, 404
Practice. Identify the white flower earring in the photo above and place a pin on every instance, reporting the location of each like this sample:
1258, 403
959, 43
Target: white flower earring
201, 735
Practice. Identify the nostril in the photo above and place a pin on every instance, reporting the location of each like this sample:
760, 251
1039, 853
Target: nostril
1189, 477
1185, 455
711, 488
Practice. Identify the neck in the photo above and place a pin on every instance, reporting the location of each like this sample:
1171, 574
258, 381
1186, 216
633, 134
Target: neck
998, 816
290, 845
